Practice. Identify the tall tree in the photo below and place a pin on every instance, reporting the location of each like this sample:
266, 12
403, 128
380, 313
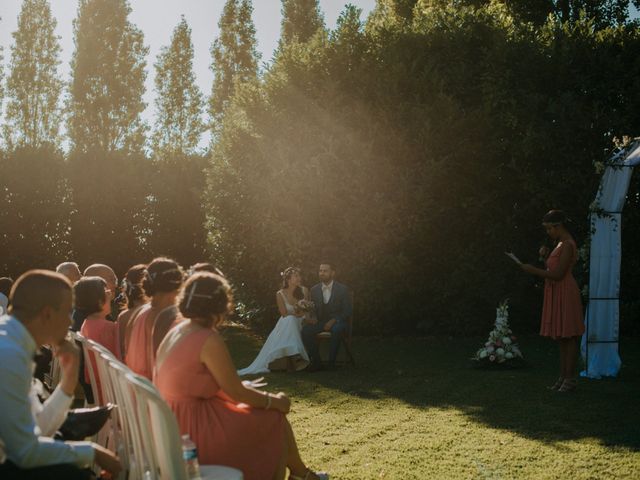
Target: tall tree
235, 58
34, 85
108, 74
301, 19
178, 124
604, 12
1, 77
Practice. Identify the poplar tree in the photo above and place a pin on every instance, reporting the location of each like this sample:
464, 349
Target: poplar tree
235, 58
301, 19
1, 78
107, 84
34, 85
178, 123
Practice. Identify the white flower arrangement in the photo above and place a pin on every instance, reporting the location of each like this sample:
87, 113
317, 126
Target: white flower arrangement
501, 345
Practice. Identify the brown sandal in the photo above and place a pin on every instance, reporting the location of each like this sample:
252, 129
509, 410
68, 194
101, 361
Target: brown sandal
557, 385
320, 475
568, 385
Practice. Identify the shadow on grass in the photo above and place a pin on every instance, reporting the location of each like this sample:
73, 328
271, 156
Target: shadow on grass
436, 372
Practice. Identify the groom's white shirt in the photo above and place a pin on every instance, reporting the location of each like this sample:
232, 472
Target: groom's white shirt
326, 291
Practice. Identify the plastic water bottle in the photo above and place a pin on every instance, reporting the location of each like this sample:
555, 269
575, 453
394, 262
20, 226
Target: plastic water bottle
190, 456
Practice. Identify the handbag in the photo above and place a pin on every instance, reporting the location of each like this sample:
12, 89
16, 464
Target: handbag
84, 422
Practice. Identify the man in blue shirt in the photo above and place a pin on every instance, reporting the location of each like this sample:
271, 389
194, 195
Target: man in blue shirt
41, 303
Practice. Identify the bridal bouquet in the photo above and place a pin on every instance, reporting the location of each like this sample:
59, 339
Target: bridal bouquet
305, 306
501, 346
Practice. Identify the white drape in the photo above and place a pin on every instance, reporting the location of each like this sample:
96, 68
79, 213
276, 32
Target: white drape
602, 318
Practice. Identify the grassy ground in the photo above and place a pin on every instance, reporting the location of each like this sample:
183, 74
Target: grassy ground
413, 408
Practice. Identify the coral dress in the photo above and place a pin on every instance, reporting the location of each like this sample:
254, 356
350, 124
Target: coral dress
139, 350
104, 332
225, 432
562, 309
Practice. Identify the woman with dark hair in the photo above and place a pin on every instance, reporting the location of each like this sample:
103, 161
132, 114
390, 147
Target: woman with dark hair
136, 298
562, 318
5, 289
205, 267
92, 297
283, 348
161, 283
230, 422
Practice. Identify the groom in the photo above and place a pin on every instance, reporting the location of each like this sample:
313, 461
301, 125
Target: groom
333, 309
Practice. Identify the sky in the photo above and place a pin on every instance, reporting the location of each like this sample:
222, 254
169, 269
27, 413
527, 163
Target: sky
157, 19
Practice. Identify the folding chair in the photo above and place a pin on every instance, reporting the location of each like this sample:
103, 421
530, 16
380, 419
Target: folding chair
166, 437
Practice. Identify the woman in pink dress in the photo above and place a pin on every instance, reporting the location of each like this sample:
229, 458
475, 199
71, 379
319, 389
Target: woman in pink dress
562, 318
91, 296
162, 284
136, 298
230, 422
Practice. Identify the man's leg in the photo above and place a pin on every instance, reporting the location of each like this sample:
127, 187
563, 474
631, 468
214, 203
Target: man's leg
310, 341
337, 331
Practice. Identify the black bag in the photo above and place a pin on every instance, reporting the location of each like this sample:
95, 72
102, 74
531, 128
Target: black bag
84, 422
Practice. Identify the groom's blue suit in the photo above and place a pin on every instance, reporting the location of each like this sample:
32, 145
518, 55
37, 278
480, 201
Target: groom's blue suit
339, 308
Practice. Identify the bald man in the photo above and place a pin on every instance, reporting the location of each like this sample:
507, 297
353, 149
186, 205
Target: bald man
71, 270
106, 273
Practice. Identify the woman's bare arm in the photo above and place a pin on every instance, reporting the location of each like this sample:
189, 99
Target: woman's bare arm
558, 273
281, 306
217, 359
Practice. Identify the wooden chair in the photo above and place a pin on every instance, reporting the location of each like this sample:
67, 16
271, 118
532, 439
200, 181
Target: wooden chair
345, 342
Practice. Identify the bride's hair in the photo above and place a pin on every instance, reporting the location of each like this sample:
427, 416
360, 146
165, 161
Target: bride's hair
206, 295
286, 275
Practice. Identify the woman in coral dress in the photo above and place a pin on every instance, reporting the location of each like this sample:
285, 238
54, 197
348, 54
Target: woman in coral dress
562, 318
90, 296
162, 284
230, 422
136, 298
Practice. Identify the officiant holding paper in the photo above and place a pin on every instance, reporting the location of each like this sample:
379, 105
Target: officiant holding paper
562, 318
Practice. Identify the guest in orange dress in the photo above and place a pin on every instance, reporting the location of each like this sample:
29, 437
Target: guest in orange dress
562, 318
91, 296
136, 298
162, 284
230, 422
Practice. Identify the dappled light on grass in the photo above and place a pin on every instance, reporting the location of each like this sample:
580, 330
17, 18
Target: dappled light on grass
414, 408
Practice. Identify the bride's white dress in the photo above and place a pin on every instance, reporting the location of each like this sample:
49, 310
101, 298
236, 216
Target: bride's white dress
284, 341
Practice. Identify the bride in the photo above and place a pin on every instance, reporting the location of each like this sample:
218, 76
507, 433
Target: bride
284, 348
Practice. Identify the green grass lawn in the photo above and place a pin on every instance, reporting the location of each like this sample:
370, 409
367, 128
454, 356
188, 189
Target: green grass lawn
413, 408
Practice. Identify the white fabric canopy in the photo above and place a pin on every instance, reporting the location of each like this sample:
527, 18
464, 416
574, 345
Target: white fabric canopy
600, 341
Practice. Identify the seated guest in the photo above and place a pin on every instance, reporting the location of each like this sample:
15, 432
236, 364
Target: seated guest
40, 310
333, 309
162, 284
165, 321
230, 422
108, 275
136, 298
71, 270
5, 288
90, 295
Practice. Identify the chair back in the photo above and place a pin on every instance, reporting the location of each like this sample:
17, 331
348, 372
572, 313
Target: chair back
162, 427
87, 353
135, 431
